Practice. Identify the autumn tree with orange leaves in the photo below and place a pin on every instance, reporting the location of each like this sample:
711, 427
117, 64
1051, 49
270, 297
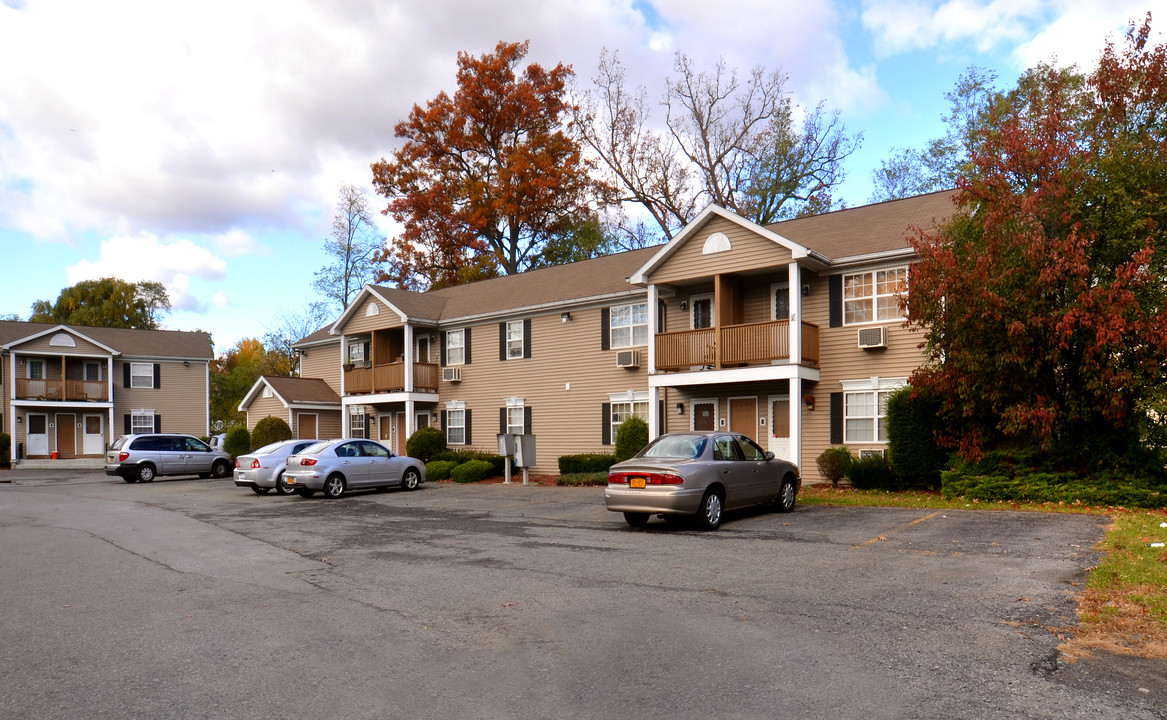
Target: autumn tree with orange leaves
1043, 298
486, 178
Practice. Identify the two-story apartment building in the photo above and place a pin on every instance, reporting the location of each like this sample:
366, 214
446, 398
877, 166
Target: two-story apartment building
68, 391
792, 334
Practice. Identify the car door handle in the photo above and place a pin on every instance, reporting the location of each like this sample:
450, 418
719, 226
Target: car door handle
344, 462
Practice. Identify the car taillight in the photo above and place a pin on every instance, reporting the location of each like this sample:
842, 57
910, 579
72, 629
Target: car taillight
307, 461
621, 478
666, 479
236, 462
255, 464
122, 456
617, 479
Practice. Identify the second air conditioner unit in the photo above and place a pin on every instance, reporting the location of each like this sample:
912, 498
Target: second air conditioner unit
873, 337
453, 374
628, 359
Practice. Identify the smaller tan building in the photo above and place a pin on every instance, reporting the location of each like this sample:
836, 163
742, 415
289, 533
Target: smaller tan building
309, 405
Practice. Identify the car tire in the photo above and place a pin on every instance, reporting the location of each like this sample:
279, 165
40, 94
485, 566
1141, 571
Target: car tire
282, 487
410, 480
636, 519
305, 492
260, 490
334, 487
709, 513
130, 478
787, 492
145, 473
221, 469
204, 476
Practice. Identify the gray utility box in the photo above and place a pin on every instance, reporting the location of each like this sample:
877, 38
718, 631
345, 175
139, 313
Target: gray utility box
524, 450
506, 445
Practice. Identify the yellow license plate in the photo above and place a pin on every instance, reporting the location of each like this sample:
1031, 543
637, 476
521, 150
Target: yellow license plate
636, 482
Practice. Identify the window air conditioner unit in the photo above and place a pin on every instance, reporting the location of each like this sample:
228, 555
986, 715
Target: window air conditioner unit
873, 337
628, 359
453, 374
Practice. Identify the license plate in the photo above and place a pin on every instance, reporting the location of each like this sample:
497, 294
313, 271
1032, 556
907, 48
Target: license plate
289, 481
636, 482
242, 476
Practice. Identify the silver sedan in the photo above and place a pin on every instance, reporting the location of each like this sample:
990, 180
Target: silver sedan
261, 469
701, 475
336, 466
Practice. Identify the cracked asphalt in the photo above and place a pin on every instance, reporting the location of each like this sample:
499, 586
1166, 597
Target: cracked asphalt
193, 598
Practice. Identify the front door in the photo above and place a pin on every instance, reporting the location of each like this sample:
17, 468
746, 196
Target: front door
704, 416
94, 435
307, 426
743, 417
385, 431
66, 435
38, 435
780, 427
398, 446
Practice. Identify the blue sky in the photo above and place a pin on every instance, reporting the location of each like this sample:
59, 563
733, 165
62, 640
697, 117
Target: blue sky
202, 144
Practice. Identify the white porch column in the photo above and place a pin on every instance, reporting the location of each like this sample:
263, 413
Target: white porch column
343, 360
410, 421
796, 421
653, 414
410, 352
795, 290
653, 328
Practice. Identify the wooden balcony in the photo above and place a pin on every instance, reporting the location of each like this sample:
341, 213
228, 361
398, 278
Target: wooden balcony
734, 345
390, 377
62, 390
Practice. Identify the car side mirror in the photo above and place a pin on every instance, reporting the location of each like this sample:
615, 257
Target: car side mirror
769, 455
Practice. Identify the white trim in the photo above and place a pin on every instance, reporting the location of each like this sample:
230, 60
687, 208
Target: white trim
874, 383
733, 375
63, 339
455, 404
716, 243
514, 402
630, 396
58, 328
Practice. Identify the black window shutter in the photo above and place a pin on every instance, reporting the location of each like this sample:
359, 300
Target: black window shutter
502, 421
502, 341
443, 422
368, 425
660, 317
129, 428
660, 417
442, 342
527, 420
157, 375
126, 375
157, 421
468, 438
835, 294
467, 342
837, 418
527, 338
606, 430
605, 321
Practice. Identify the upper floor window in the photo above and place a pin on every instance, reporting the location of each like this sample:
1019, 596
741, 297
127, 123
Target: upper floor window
36, 369
456, 347
93, 371
781, 306
874, 296
141, 375
629, 325
514, 339
702, 312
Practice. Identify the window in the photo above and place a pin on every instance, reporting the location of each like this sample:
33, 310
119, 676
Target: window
36, 369
515, 424
624, 408
456, 347
356, 352
267, 391
874, 296
629, 325
781, 306
141, 375
702, 312
92, 371
456, 426
357, 424
865, 416
514, 339
141, 421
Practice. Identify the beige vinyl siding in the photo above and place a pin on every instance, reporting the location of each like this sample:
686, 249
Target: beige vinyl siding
749, 251
181, 400
565, 421
322, 361
42, 345
261, 408
327, 423
359, 322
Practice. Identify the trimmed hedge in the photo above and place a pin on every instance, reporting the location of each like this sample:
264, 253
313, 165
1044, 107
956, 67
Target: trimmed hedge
237, 442
583, 478
586, 463
631, 437
834, 462
872, 472
425, 443
5, 449
497, 462
1032, 477
439, 469
912, 422
470, 471
270, 430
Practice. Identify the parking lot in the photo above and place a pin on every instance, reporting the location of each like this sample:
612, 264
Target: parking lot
193, 598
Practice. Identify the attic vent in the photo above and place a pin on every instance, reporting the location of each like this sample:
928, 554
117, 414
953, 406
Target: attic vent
717, 242
62, 340
372, 310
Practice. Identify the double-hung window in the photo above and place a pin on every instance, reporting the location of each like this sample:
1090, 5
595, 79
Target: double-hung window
874, 296
456, 347
865, 416
141, 375
456, 426
514, 339
515, 425
357, 423
142, 421
626, 405
628, 325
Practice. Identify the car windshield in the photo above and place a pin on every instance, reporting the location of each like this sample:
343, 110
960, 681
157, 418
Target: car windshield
271, 447
676, 446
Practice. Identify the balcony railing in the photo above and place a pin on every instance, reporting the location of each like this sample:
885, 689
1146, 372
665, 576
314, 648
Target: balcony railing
62, 390
734, 345
390, 377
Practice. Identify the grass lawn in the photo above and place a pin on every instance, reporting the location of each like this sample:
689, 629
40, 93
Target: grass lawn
1124, 606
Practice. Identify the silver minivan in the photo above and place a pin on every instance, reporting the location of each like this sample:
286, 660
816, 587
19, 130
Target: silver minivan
141, 458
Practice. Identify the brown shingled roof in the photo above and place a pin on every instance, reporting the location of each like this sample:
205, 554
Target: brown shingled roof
302, 390
127, 341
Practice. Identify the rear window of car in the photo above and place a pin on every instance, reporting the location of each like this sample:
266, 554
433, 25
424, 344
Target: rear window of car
151, 443
269, 448
677, 446
314, 448
117, 444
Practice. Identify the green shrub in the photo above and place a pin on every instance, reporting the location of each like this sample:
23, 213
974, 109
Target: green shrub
586, 463
497, 462
834, 462
270, 430
425, 443
912, 420
470, 471
439, 469
872, 472
583, 478
631, 437
237, 442
5, 449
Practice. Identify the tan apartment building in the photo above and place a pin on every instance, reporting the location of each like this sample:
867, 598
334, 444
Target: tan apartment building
68, 391
791, 334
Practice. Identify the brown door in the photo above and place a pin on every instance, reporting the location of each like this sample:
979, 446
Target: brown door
743, 417
399, 445
385, 430
66, 435
307, 427
704, 417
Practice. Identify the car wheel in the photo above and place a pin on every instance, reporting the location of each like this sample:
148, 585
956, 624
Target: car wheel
282, 487
636, 519
204, 476
786, 494
260, 490
305, 492
145, 473
221, 469
334, 487
411, 479
709, 515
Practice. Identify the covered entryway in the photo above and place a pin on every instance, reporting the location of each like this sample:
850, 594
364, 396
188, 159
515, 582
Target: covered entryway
743, 416
94, 442
66, 435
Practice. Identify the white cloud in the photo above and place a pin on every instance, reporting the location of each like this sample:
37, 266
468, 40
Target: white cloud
145, 257
219, 300
903, 25
1080, 33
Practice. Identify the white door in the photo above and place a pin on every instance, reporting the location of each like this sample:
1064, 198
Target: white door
94, 443
780, 426
38, 435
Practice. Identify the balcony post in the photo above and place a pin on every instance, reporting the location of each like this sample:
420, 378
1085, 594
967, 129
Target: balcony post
409, 354
796, 421
653, 329
795, 290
